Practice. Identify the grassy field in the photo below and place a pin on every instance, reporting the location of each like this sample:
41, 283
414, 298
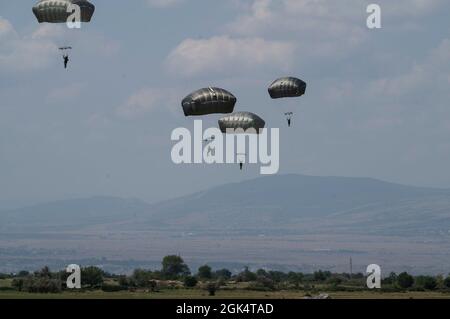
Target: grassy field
223, 294
235, 291
5, 283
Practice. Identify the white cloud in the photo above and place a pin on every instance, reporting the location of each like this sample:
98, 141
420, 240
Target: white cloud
323, 27
290, 17
29, 52
25, 53
149, 100
6, 28
223, 53
415, 100
431, 75
48, 31
285, 34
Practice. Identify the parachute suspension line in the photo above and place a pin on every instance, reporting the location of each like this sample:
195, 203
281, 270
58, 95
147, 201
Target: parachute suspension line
289, 116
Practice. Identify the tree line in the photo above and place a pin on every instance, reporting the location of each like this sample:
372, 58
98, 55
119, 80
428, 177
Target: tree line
175, 273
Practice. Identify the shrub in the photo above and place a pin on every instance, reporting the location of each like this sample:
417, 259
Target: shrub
334, 281
173, 267
23, 273
126, 282
447, 282
295, 278
223, 274
190, 282
153, 285
426, 282
41, 285
211, 288
140, 277
262, 284
405, 280
321, 275
246, 276
17, 284
92, 276
205, 272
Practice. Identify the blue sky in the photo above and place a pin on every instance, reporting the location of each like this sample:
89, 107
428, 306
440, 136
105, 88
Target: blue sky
377, 103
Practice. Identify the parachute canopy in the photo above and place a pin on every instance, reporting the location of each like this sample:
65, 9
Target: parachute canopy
208, 101
287, 87
241, 120
55, 11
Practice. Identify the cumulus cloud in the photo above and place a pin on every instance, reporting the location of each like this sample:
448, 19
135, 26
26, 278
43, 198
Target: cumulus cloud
430, 75
223, 53
6, 28
323, 27
415, 99
273, 33
25, 53
302, 19
292, 14
149, 100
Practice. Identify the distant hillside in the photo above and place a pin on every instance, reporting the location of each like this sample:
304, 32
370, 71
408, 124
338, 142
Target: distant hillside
72, 214
288, 203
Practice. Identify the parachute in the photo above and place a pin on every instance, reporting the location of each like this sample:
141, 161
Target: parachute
208, 101
287, 87
244, 122
55, 11
241, 120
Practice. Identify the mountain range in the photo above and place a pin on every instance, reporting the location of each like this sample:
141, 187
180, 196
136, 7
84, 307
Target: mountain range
292, 203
